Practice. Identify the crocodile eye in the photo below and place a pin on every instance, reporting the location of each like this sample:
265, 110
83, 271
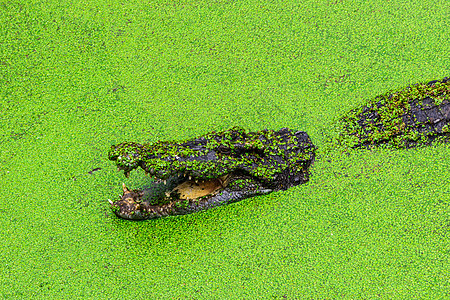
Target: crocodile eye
223, 149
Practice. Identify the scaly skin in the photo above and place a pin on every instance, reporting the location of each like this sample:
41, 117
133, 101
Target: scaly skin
211, 170
414, 116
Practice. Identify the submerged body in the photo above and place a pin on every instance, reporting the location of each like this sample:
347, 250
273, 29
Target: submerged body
211, 170
414, 116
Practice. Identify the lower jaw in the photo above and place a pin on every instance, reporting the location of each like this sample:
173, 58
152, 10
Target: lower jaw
182, 207
188, 197
132, 210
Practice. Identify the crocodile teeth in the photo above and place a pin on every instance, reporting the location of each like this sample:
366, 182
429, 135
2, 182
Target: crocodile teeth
125, 190
165, 182
196, 180
190, 177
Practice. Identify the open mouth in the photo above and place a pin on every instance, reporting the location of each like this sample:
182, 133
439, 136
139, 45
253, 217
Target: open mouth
165, 195
195, 189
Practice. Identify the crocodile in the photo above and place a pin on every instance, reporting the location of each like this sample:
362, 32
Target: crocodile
210, 170
228, 166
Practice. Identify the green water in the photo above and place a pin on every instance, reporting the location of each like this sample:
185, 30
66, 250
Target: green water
76, 78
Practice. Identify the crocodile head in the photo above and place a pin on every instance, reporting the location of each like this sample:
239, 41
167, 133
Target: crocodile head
210, 170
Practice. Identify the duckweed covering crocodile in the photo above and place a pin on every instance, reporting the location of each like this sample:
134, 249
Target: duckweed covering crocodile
211, 170
414, 116
224, 167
